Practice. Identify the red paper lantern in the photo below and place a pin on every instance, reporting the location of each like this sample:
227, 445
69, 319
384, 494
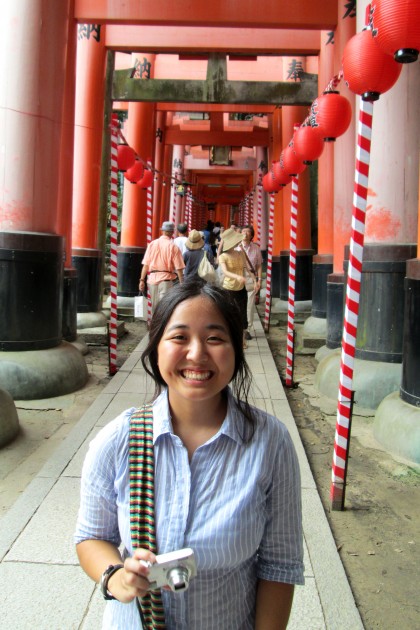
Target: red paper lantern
367, 70
126, 157
308, 143
292, 164
332, 113
147, 180
396, 28
135, 173
280, 175
269, 183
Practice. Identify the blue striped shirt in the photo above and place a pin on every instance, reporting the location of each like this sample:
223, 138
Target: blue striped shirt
236, 504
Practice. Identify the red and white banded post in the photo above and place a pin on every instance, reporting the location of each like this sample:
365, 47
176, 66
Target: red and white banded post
290, 354
112, 327
251, 207
149, 218
246, 209
259, 211
174, 199
351, 311
189, 209
267, 310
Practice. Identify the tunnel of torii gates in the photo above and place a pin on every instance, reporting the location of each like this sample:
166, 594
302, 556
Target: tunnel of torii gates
209, 94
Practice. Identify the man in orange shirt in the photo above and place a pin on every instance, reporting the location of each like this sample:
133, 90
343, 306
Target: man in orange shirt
162, 262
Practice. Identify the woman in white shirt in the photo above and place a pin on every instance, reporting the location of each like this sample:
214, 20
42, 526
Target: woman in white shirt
226, 483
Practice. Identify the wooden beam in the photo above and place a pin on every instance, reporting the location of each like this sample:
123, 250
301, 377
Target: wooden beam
301, 14
215, 91
207, 107
218, 138
177, 39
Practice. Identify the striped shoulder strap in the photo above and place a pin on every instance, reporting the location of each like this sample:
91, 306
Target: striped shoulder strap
142, 504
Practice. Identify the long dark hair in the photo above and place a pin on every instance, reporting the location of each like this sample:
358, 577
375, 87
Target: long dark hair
191, 288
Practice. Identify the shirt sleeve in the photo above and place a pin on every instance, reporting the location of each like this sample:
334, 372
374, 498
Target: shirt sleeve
280, 556
146, 257
98, 512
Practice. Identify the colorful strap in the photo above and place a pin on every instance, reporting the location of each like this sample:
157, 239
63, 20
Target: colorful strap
142, 504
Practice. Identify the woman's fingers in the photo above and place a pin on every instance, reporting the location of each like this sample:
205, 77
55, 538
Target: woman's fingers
132, 581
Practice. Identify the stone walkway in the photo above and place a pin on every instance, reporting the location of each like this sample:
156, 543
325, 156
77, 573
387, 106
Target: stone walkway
42, 585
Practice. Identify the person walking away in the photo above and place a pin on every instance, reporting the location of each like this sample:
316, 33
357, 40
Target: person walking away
233, 263
162, 264
253, 281
194, 254
226, 482
181, 237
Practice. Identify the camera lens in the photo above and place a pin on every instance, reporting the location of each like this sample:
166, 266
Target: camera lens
178, 579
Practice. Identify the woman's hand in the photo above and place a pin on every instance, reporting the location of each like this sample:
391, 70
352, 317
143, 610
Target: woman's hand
131, 581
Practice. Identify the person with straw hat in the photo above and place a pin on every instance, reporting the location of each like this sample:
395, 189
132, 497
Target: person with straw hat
233, 262
194, 253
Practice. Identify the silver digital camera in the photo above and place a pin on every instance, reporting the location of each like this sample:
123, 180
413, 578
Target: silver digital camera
174, 569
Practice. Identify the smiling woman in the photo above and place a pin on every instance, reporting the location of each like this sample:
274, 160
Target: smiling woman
226, 482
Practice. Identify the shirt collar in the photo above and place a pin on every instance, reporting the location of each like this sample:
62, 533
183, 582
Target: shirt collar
162, 418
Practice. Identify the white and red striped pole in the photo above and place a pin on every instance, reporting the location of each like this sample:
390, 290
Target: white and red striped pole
246, 210
351, 311
290, 353
251, 208
189, 209
267, 310
149, 216
174, 199
259, 210
112, 341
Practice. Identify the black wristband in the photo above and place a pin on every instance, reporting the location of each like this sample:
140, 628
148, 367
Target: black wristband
109, 571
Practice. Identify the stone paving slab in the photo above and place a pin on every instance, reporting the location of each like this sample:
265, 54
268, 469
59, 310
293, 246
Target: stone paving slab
56, 515
36, 597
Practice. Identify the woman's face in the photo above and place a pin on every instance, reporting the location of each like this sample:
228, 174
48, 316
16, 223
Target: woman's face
195, 354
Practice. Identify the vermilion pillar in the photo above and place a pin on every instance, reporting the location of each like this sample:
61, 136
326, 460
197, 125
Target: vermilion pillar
65, 189
141, 132
261, 155
275, 122
165, 210
388, 282
90, 81
290, 116
344, 166
177, 176
159, 166
33, 53
323, 260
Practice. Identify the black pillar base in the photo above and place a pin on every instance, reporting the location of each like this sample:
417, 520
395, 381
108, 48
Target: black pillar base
410, 382
335, 310
381, 310
31, 288
322, 267
129, 260
70, 305
303, 278
275, 277
88, 264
